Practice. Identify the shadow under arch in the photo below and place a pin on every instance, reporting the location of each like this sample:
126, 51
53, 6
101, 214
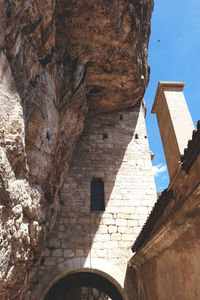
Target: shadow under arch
102, 267
88, 278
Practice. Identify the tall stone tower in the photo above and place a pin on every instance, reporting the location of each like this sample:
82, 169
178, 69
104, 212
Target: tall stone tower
105, 201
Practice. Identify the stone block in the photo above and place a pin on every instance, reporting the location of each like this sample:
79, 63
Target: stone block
132, 222
121, 222
128, 210
68, 253
79, 253
112, 229
84, 220
61, 228
110, 244
57, 253
62, 235
129, 237
111, 209
100, 253
61, 220
116, 237
122, 229
116, 252
108, 221
102, 229
97, 245
56, 243
125, 216
102, 237
59, 260
141, 210
50, 261
47, 252
125, 244
72, 221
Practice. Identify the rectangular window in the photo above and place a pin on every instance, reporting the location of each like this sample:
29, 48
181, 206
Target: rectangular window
97, 195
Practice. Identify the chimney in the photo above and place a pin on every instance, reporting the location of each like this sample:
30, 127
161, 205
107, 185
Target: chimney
174, 121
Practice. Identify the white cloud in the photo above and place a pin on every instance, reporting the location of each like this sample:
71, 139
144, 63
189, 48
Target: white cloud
160, 168
164, 177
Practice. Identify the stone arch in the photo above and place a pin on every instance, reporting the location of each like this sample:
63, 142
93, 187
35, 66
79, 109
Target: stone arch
100, 267
85, 278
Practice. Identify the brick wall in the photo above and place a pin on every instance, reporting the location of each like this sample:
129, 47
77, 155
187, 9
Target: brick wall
114, 147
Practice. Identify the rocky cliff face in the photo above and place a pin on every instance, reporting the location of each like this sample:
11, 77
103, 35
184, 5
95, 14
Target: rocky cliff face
59, 61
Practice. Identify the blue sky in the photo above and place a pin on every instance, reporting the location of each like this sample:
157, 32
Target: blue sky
175, 58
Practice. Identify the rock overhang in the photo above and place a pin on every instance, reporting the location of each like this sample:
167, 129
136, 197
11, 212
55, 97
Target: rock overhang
63, 60
110, 40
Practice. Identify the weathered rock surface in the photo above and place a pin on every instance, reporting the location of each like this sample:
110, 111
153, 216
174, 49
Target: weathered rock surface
59, 60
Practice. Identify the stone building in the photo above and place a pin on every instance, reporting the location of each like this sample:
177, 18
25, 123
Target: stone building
105, 200
167, 251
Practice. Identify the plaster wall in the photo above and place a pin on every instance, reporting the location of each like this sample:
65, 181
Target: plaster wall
173, 273
166, 265
168, 135
181, 118
114, 147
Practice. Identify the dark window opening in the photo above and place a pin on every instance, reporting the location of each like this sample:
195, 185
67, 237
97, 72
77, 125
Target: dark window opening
121, 117
136, 136
97, 195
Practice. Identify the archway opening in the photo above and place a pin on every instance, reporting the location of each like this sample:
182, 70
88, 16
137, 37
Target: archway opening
83, 286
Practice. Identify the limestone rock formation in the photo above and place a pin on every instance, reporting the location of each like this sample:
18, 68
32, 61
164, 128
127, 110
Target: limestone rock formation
59, 61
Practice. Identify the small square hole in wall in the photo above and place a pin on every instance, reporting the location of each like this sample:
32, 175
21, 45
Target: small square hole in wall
48, 136
105, 136
136, 136
121, 117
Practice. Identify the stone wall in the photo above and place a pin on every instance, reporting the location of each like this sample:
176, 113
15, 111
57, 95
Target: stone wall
114, 147
59, 61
